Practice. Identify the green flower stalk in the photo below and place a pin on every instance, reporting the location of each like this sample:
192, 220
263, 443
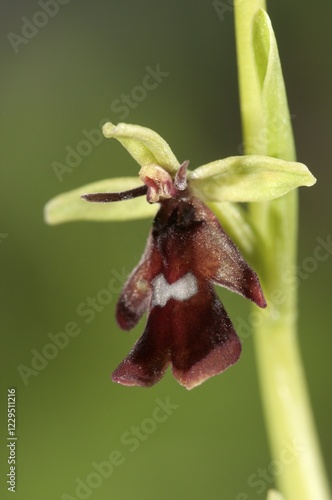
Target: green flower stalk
267, 130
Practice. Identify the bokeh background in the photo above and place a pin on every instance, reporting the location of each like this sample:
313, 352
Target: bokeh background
68, 78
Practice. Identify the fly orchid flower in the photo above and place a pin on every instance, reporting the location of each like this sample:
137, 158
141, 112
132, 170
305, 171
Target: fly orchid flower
187, 252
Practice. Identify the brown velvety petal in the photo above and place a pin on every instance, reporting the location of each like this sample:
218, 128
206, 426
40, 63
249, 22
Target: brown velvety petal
146, 363
194, 334
220, 260
135, 296
218, 359
204, 342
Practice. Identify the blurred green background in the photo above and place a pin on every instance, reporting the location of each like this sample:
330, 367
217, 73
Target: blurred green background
66, 78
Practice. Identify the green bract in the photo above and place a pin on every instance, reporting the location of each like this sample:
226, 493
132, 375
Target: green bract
235, 179
276, 135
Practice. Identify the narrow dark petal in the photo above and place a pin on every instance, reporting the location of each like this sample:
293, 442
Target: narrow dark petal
251, 288
204, 342
146, 363
134, 299
110, 197
220, 260
136, 293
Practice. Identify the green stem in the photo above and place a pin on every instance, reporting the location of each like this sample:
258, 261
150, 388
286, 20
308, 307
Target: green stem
293, 440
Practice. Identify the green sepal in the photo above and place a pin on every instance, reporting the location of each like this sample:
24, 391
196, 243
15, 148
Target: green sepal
144, 145
250, 178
